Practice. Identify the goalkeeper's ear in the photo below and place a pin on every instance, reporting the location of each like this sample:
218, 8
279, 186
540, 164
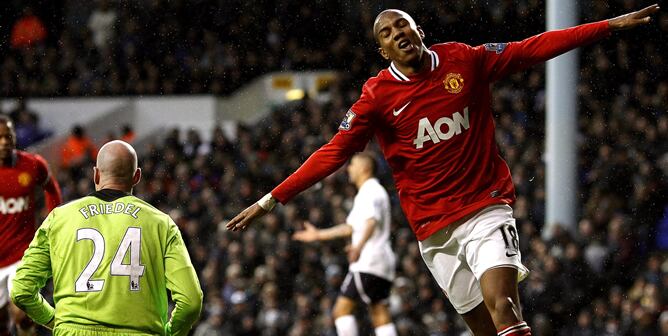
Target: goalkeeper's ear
96, 175
136, 177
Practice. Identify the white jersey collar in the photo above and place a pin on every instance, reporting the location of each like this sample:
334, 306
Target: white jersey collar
394, 71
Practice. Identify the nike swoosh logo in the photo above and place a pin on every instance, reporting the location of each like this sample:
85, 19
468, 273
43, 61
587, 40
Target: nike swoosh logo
510, 254
396, 112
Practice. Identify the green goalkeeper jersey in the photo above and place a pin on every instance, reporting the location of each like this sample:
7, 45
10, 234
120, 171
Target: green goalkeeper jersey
112, 257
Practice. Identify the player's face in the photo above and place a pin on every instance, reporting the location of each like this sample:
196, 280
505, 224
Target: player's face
353, 169
7, 140
399, 37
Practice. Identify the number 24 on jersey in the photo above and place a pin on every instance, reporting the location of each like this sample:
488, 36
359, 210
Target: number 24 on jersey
131, 243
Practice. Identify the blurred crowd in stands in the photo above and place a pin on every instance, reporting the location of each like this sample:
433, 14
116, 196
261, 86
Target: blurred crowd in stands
82, 48
26, 124
609, 276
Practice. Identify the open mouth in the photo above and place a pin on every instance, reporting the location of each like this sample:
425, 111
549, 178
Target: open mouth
404, 44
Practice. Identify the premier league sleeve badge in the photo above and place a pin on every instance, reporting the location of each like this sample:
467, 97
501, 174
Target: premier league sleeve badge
347, 121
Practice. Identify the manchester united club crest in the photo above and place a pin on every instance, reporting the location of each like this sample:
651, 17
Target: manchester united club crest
24, 179
453, 82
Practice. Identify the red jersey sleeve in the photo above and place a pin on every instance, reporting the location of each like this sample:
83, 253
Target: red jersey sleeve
498, 60
354, 133
51, 188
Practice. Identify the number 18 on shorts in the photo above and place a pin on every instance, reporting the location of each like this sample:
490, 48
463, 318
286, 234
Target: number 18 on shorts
457, 256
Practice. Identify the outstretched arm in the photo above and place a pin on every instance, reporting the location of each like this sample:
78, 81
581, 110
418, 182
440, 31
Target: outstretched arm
498, 60
321, 164
311, 233
354, 133
633, 19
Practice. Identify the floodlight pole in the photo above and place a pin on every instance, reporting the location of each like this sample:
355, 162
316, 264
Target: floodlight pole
561, 125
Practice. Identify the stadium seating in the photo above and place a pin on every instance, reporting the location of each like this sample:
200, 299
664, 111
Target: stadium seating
608, 278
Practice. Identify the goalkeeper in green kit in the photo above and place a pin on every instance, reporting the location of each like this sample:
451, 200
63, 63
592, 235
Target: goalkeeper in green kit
112, 257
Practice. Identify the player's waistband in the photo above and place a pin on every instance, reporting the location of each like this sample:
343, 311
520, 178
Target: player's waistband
426, 227
98, 329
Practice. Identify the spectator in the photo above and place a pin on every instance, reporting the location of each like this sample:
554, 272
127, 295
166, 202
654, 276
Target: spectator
77, 149
28, 31
27, 126
211, 326
663, 323
102, 24
127, 134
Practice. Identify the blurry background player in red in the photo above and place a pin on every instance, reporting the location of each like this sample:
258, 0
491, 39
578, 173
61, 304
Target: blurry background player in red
453, 185
21, 173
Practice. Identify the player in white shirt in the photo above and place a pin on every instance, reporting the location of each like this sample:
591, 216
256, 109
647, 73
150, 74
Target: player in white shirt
372, 262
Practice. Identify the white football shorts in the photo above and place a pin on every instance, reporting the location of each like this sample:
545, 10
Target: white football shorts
458, 255
7, 273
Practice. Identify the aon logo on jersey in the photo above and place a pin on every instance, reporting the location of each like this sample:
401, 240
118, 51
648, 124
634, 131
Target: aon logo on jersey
9, 206
443, 129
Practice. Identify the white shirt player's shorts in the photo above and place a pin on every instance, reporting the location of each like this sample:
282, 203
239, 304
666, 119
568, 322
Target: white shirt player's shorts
458, 255
7, 273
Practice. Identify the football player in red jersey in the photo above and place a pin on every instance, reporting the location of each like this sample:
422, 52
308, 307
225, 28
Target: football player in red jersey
430, 112
21, 173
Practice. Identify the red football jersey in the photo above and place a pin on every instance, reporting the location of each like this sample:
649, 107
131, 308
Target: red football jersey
436, 128
17, 202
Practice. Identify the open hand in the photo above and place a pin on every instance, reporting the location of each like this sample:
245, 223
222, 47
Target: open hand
633, 19
309, 234
246, 217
